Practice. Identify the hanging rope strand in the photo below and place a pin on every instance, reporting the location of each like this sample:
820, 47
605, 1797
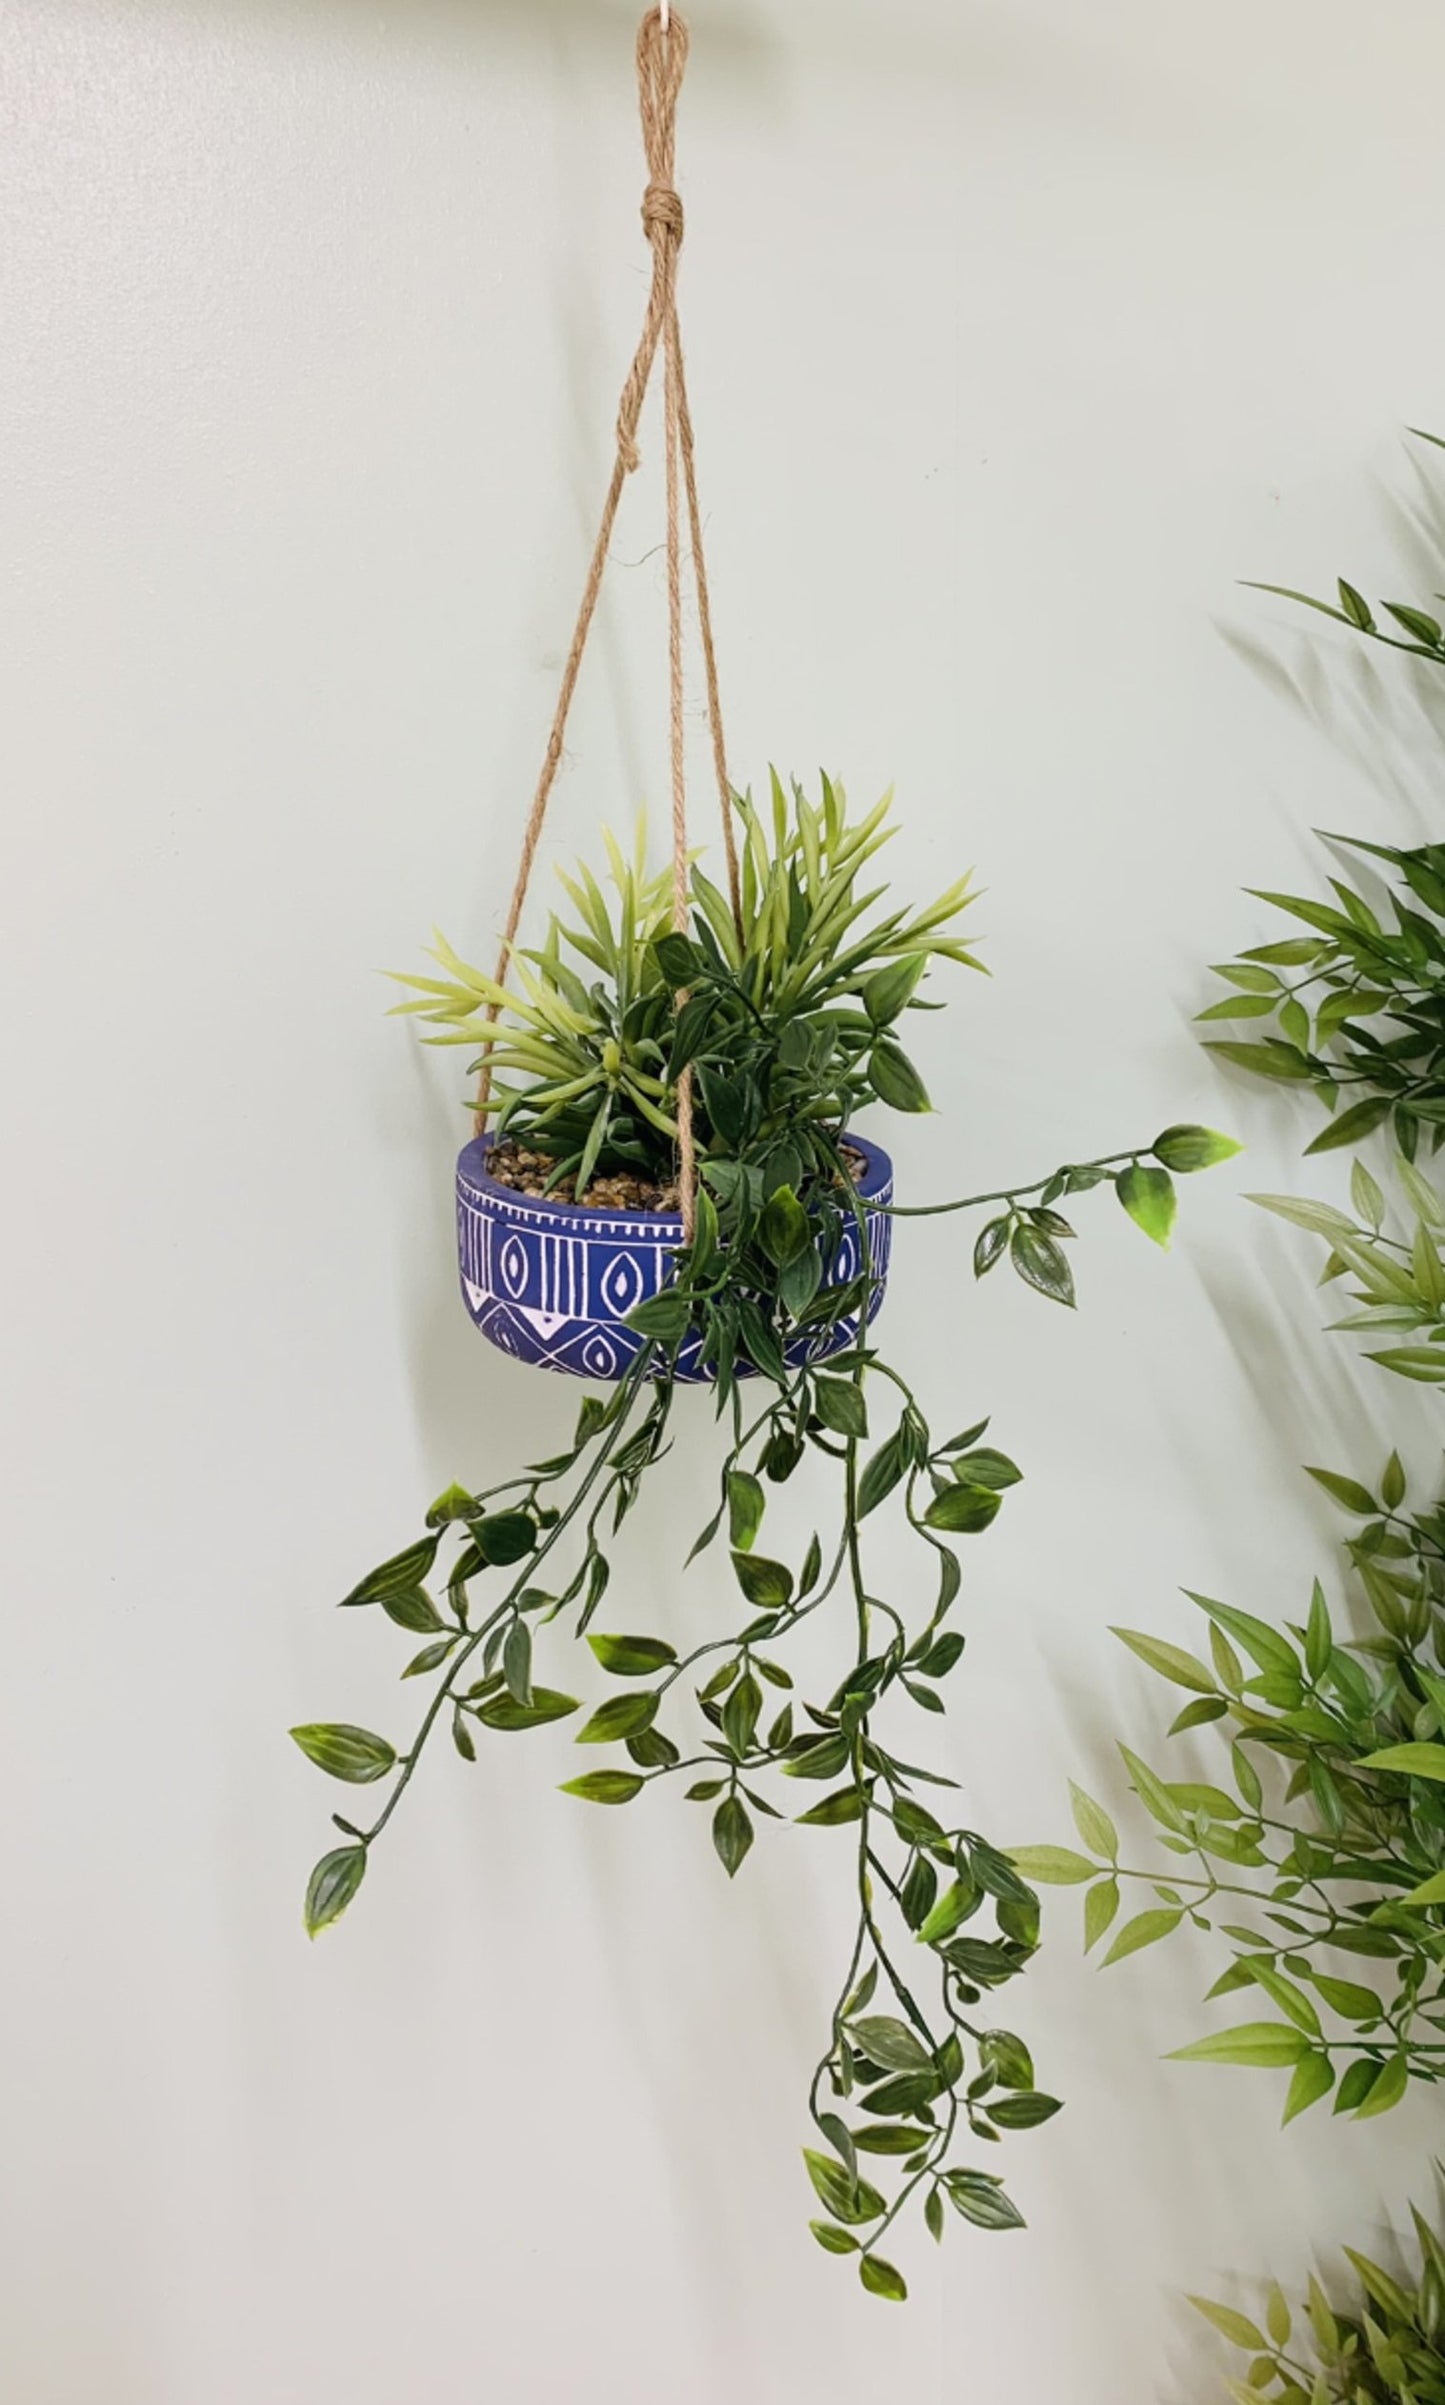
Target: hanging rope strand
662, 46
709, 656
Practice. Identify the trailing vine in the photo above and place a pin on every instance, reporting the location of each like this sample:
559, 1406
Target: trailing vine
916, 2077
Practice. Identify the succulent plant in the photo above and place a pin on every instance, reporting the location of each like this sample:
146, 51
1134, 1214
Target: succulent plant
795, 1011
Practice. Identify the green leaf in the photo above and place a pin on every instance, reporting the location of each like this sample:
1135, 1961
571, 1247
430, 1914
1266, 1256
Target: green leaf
404, 1570
679, 960
1101, 1907
1292, 2001
1144, 1930
621, 1716
454, 1503
991, 1246
890, 2137
894, 1079
665, 1317
767, 1585
504, 1537
1053, 1866
332, 1885
632, 1657
848, 2200
985, 1466
845, 1805
605, 1786
1348, 1491
1041, 1264
949, 1913
800, 1281
504, 1711
740, 1713
821, 1761
1354, 1125
890, 990
1261, 2045
1355, 607
517, 1661
1264, 1645
840, 1406
1242, 1006
345, 1752
1198, 1714
881, 1475
833, 2240
1313, 2078
1265, 1060
1171, 1661
1347, 1997
1413, 1361
981, 2200
1366, 1195
1387, 2089
1007, 2057
1154, 1795
1093, 1824
784, 1229
1359, 2078
1236, 2327
889, 2043
732, 1835
1026, 2111
880, 2279
1277, 2315
746, 1505
963, 1510
430, 1658
412, 1608
1418, 623
1185, 1149
1412, 1761
1149, 1198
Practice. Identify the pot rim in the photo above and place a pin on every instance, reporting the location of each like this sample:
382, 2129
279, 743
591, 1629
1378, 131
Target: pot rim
666, 1226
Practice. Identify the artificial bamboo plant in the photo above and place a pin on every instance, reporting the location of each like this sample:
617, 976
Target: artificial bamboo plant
1317, 1851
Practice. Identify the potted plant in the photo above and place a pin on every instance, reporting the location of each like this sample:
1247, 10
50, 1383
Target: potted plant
666, 1187
788, 1032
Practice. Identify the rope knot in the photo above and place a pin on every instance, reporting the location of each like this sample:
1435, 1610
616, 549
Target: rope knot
662, 210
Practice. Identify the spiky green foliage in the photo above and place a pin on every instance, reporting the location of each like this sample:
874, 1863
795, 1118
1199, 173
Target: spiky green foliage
1355, 1009
579, 1063
813, 981
1393, 1251
1386, 2346
1319, 1857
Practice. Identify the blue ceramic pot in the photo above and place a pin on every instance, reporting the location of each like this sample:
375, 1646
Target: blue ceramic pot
552, 1284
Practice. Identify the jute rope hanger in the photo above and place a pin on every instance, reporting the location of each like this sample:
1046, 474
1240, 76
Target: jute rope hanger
662, 46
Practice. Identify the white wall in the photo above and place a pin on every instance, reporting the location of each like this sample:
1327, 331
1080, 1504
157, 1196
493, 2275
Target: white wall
1018, 334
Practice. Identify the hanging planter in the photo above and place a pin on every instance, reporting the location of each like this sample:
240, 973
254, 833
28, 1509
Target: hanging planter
664, 1187
552, 1283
